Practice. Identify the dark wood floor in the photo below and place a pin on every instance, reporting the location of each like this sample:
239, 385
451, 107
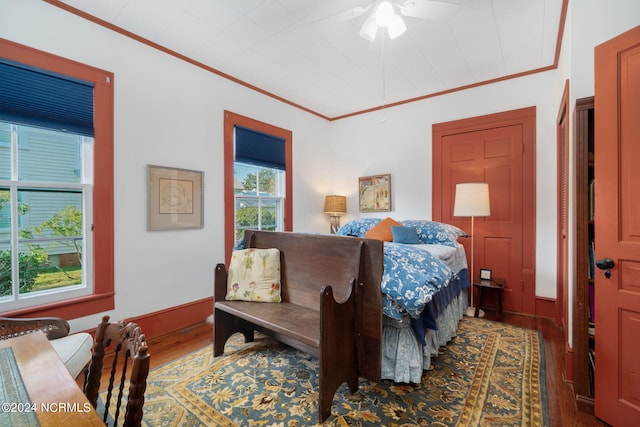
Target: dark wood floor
562, 408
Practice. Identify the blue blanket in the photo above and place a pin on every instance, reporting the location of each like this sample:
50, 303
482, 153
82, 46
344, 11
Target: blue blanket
411, 278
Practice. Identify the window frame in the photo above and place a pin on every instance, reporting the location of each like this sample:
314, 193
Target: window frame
230, 121
102, 298
262, 200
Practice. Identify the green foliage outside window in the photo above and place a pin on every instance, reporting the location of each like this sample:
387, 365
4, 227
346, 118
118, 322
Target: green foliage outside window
267, 181
65, 223
30, 266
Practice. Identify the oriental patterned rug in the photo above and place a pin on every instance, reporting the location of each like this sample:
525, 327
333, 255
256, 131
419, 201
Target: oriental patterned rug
490, 374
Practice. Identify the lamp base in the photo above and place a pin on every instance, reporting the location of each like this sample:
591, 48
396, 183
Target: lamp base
335, 224
471, 312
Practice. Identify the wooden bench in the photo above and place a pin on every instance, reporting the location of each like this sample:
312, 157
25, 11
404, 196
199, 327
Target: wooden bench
331, 306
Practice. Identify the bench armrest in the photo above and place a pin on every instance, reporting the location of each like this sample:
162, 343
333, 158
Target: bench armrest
220, 283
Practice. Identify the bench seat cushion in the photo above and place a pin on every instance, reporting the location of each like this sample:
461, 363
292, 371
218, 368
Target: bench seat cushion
300, 323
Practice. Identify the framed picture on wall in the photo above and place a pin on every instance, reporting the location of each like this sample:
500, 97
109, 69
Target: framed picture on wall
485, 274
375, 193
174, 198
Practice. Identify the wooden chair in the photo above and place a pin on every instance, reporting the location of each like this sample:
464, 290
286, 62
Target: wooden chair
73, 349
129, 355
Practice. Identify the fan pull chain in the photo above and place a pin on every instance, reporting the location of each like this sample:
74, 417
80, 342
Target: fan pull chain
384, 77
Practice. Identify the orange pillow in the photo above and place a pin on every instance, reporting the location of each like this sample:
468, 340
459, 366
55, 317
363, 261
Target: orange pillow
382, 230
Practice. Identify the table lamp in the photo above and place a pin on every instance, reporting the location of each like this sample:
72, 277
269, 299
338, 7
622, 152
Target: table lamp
335, 207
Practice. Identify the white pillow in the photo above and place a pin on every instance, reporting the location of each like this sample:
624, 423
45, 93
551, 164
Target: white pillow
254, 275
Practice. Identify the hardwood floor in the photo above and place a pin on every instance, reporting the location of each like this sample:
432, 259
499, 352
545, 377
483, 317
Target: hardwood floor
562, 408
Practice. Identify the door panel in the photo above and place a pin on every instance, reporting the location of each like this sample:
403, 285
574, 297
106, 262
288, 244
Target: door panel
629, 349
496, 251
492, 156
617, 229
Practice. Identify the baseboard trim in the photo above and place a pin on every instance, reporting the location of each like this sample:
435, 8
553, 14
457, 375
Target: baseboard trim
172, 319
568, 363
546, 307
585, 404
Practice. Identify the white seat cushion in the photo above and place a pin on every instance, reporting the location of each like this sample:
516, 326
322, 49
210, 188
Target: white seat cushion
74, 350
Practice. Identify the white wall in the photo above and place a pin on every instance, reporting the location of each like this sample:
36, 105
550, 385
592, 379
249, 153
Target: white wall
594, 22
398, 141
169, 113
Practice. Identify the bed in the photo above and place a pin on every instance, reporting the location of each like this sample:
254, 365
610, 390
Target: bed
424, 286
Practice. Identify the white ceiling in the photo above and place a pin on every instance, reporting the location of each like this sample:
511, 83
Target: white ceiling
309, 52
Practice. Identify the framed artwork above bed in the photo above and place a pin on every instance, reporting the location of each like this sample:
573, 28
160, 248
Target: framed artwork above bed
375, 193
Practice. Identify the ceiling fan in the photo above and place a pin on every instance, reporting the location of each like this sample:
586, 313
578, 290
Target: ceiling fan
384, 14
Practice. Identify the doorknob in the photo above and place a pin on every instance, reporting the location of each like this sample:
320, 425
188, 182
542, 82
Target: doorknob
605, 264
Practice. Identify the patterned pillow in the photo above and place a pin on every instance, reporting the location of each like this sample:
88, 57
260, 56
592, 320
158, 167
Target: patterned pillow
357, 227
382, 230
254, 275
433, 232
406, 235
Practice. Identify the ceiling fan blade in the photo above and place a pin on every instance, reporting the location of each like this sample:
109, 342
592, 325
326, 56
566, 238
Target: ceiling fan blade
343, 16
429, 9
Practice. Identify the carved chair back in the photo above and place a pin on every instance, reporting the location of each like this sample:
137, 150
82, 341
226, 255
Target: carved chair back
130, 357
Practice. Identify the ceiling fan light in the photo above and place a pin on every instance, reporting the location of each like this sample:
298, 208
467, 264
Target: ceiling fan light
369, 29
385, 13
397, 27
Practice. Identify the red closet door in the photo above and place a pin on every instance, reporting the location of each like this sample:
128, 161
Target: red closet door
617, 229
496, 149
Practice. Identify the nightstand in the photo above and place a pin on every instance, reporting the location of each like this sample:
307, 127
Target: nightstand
495, 287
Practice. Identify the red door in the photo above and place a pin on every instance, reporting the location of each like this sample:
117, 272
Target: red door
496, 149
617, 229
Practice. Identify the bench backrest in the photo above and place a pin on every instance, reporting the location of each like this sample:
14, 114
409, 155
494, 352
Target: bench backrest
310, 261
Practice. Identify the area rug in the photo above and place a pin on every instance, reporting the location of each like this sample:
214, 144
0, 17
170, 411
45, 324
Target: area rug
490, 374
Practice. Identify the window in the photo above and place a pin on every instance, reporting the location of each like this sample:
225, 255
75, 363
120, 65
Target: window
258, 181
45, 190
56, 185
258, 174
259, 198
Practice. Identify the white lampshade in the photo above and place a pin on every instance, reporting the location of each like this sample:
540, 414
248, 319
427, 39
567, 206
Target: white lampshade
369, 28
472, 199
396, 27
384, 13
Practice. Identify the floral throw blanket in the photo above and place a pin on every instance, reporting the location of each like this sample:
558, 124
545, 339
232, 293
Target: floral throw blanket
411, 277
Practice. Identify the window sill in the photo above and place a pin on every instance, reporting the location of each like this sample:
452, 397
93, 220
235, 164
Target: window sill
68, 309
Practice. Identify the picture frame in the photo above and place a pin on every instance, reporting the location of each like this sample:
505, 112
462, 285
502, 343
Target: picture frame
375, 193
174, 198
485, 274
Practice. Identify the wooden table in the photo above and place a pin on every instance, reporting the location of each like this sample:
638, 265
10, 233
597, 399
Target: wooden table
53, 394
494, 286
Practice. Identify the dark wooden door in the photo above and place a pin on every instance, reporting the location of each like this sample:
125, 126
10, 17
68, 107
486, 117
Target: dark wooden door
496, 149
617, 229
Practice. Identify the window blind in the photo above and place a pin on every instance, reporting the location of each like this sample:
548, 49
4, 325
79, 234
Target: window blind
258, 148
35, 97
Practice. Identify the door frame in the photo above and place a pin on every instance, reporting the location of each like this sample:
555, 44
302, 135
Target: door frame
526, 118
562, 269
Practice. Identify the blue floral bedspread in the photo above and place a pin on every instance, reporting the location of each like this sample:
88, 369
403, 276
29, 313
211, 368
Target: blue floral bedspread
411, 277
